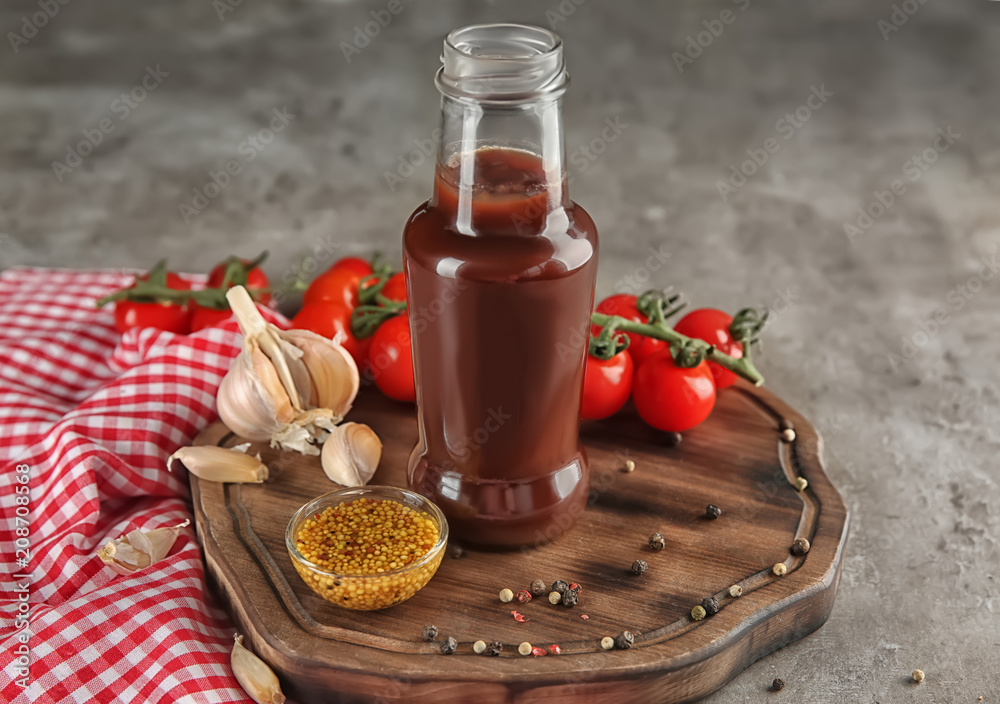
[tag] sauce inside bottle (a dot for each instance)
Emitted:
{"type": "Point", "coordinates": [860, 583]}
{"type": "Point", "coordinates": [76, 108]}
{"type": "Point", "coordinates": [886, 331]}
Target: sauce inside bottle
{"type": "Point", "coordinates": [501, 267]}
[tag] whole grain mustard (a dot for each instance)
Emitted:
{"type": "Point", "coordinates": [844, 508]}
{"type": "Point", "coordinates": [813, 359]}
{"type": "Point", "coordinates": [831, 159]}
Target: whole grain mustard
{"type": "Point", "coordinates": [367, 538]}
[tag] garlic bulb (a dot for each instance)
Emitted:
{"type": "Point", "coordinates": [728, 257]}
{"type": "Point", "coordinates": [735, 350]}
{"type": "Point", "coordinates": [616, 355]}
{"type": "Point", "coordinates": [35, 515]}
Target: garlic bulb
{"type": "Point", "coordinates": [351, 454]}
{"type": "Point", "coordinates": [139, 549]}
{"type": "Point", "coordinates": [253, 674]}
{"type": "Point", "coordinates": [288, 387]}
{"type": "Point", "coordinates": [221, 464]}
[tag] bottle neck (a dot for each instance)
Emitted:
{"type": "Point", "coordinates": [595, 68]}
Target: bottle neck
{"type": "Point", "coordinates": [501, 167]}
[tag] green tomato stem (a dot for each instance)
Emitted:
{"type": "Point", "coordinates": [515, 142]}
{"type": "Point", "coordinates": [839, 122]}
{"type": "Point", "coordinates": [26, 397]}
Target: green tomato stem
{"type": "Point", "coordinates": [743, 367]}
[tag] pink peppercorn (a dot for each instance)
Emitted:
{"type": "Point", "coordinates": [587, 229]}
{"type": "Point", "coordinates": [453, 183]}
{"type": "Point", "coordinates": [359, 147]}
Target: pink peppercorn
{"type": "Point", "coordinates": [538, 652]}
{"type": "Point", "coordinates": [554, 649]}
{"type": "Point", "coordinates": [524, 596]}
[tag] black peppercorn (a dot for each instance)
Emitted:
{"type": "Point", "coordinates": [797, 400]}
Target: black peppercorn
{"type": "Point", "coordinates": [710, 604]}
{"type": "Point", "coordinates": [456, 551]}
{"type": "Point", "coordinates": [494, 648]}
{"type": "Point", "coordinates": [800, 546]}
{"type": "Point", "coordinates": [624, 640]}
{"type": "Point", "coordinates": [656, 542]}
{"type": "Point", "coordinates": [570, 597]}
{"type": "Point", "coordinates": [778, 684]}
{"type": "Point", "coordinates": [712, 511]}
{"type": "Point", "coordinates": [448, 647]}
{"type": "Point", "coordinates": [639, 566]}
{"type": "Point", "coordinates": [538, 588]}
{"type": "Point", "coordinates": [673, 439]}
{"type": "Point", "coordinates": [429, 633]}
{"type": "Point", "coordinates": [560, 586]}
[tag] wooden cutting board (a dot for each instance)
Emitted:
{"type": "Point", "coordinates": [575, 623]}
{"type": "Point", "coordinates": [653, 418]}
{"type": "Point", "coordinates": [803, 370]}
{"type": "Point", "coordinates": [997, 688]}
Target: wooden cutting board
{"type": "Point", "coordinates": [736, 460]}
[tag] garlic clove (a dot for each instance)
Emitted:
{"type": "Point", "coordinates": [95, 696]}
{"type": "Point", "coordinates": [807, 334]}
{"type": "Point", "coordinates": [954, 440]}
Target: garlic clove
{"type": "Point", "coordinates": [254, 675]}
{"type": "Point", "coordinates": [140, 549]}
{"type": "Point", "coordinates": [351, 454]}
{"type": "Point", "coordinates": [333, 371]}
{"type": "Point", "coordinates": [258, 334]}
{"type": "Point", "coordinates": [220, 464]}
{"type": "Point", "coordinates": [251, 400]}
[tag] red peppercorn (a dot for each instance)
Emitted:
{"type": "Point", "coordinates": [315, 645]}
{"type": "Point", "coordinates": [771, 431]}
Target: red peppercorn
{"type": "Point", "coordinates": [538, 652]}
{"type": "Point", "coordinates": [575, 587]}
{"type": "Point", "coordinates": [554, 649]}
{"type": "Point", "coordinates": [524, 596]}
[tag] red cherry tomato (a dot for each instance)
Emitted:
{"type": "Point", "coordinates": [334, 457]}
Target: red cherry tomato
{"type": "Point", "coordinates": [391, 359]}
{"type": "Point", "coordinates": [355, 264]}
{"type": "Point", "coordinates": [339, 283]}
{"type": "Point", "coordinates": [162, 316]}
{"type": "Point", "coordinates": [255, 279]}
{"type": "Point", "coordinates": [673, 398]}
{"type": "Point", "coordinates": [640, 347]}
{"type": "Point", "coordinates": [327, 318]}
{"type": "Point", "coordinates": [607, 384]}
{"type": "Point", "coordinates": [395, 288]}
{"type": "Point", "coordinates": [712, 326]}
{"type": "Point", "coordinates": [203, 317]}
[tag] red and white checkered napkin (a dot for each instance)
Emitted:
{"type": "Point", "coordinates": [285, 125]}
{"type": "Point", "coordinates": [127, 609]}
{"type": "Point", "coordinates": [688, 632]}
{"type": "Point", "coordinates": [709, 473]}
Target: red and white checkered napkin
{"type": "Point", "coordinates": [94, 415]}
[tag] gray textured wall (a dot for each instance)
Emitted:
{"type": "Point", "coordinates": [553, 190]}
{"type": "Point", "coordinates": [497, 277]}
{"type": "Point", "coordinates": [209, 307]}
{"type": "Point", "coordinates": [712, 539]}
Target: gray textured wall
{"type": "Point", "coordinates": [913, 446]}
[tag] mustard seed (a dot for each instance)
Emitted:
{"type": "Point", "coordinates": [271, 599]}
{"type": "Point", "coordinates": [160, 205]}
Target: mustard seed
{"type": "Point", "coordinates": [779, 569]}
{"type": "Point", "coordinates": [429, 633]}
{"type": "Point", "coordinates": [698, 612]}
{"type": "Point", "coordinates": [639, 566]}
{"type": "Point", "coordinates": [778, 684]}
{"type": "Point", "coordinates": [712, 511]}
{"type": "Point", "coordinates": [735, 591]}
{"type": "Point", "coordinates": [788, 435]}
{"type": "Point", "coordinates": [524, 648]}
{"type": "Point", "coordinates": [918, 675]}
{"type": "Point", "coordinates": [479, 647]}
{"type": "Point", "coordinates": [555, 597]}
{"type": "Point", "coordinates": [372, 537]}
{"type": "Point", "coordinates": [494, 648]}
{"type": "Point", "coordinates": [656, 542]}
{"type": "Point", "coordinates": [538, 588]}
{"type": "Point", "coordinates": [607, 642]}
{"type": "Point", "coordinates": [624, 640]}
{"type": "Point", "coordinates": [801, 483]}
{"type": "Point", "coordinates": [449, 646]}
{"type": "Point", "coordinates": [506, 596]}
{"type": "Point", "coordinates": [800, 546]}
{"type": "Point", "coordinates": [366, 536]}
{"type": "Point", "coordinates": [630, 465]}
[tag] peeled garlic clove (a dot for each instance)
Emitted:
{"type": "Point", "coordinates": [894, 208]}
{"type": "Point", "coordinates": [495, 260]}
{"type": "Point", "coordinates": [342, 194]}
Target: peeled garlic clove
{"type": "Point", "coordinates": [254, 675]}
{"type": "Point", "coordinates": [351, 454]}
{"type": "Point", "coordinates": [220, 464]}
{"type": "Point", "coordinates": [140, 549]}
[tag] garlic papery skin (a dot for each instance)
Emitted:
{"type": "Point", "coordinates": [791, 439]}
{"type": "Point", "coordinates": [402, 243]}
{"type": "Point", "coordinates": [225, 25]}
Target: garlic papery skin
{"type": "Point", "coordinates": [288, 387]}
{"type": "Point", "coordinates": [220, 464]}
{"type": "Point", "coordinates": [351, 454]}
{"type": "Point", "coordinates": [254, 675]}
{"type": "Point", "coordinates": [138, 549]}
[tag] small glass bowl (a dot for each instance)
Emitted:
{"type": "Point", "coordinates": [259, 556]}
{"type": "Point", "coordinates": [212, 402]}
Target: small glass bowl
{"type": "Point", "coordinates": [368, 592]}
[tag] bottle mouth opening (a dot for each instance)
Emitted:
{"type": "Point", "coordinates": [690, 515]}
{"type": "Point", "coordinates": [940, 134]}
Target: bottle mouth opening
{"type": "Point", "coordinates": [502, 63]}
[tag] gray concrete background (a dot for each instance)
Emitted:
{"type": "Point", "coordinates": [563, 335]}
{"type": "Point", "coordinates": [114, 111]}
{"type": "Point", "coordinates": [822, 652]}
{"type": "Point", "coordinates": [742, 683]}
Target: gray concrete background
{"type": "Point", "coordinates": [913, 445]}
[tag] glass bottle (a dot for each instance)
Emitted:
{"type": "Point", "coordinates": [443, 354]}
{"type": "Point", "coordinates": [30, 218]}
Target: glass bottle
{"type": "Point", "coordinates": [501, 267]}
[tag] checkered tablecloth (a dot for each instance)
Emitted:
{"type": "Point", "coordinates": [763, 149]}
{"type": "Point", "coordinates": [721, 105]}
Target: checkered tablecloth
{"type": "Point", "coordinates": [91, 416]}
